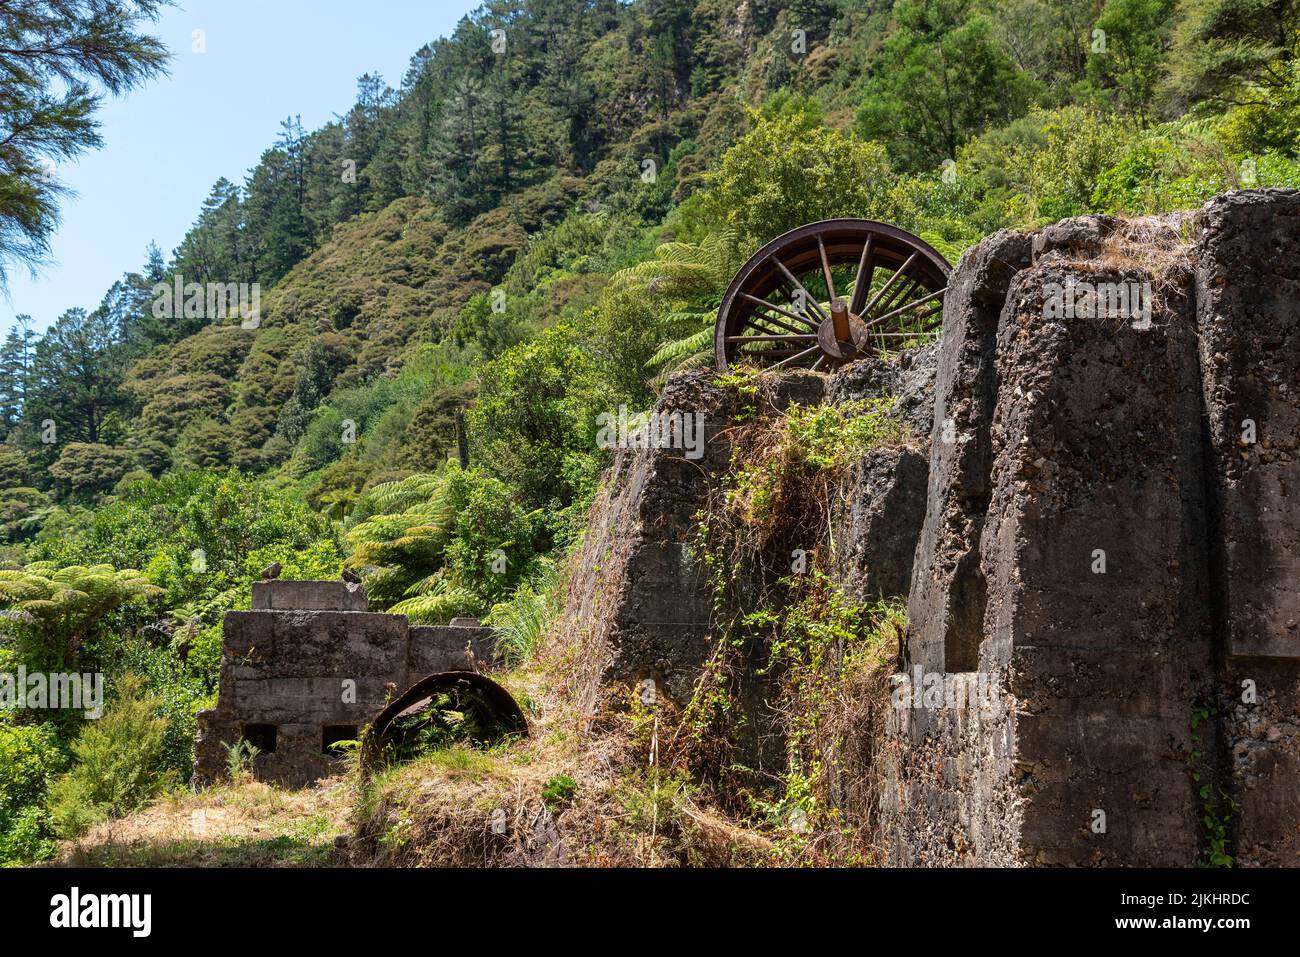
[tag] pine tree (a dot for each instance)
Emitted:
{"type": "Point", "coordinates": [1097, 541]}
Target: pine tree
{"type": "Point", "coordinates": [76, 379]}
{"type": "Point", "coordinates": [51, 52]}
{"type": "Point", "coordinates": [15, 371]}
{"type": "Point", "coordinates": [276, 203]}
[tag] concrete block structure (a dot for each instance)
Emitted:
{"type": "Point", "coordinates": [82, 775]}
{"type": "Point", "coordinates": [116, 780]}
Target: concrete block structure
{"type": "Point", "coordinates": [309, 665]}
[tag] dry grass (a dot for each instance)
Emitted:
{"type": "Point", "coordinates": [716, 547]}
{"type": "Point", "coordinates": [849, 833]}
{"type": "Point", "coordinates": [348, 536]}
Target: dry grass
{"type": "Point", "coordinates": [466, 808]}
{"type": "Point", "coordinates": [1155, 245]}
{"type": "Point", "coordinates": [249, 824]}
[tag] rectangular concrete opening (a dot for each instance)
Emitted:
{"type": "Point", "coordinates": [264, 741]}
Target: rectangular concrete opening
{"type": "Point", "coordinates": [332, 734]}
{"type": "Point", "coordinates": [261, 736]}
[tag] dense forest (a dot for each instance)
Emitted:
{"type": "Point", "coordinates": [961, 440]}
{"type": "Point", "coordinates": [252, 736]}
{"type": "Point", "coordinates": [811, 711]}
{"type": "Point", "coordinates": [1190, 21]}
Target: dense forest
{"type": "Point", "coordinates": [533, 227]}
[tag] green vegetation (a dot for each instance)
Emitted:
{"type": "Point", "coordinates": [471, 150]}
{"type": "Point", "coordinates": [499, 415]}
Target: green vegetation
{"type": "Point", "coordinates": [29, 758]}
{"type": "Point", "coordinates": [789, 636]}
{"type": "Point", "coordinates": [834, 657]}
{"type": "Point", "coordinates": [559, 791]}
{"type": "Point", "coordinates": [531, 238]}
{"type": "Point", "coordinates": [1217, 806]}
{"type": "Point", "coordinates": [115, 764]}
{"type": "Point", "coordinates": [806, 444]}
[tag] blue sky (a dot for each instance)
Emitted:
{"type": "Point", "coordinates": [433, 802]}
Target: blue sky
{"type": "Point", "coordinates": [166, 144]}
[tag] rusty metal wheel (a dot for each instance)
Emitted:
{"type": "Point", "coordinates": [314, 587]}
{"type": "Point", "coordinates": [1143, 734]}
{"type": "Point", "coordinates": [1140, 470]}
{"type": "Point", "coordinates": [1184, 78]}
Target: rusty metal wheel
{"type": "Point", "coordinates": [823, 294]}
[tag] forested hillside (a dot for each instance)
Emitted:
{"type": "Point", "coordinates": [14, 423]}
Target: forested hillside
{"type": "Point", "coordinates": [532, 228]}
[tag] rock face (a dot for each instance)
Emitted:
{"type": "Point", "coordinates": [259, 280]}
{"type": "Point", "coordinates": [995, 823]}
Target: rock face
{"type": "Point", "coordinates": [309, 666]}
{"type": "Point", "coordinates": [639, 597]}
{"type": "Point", "coordinates": [945, 607]}
{"type": "Point", "coordinates": [878, 513]}
{"type": "Point", "coordinates": [878, 519]}
{"type": "Point", "coordinates": [1248, 312]}
{"type": "Point", "coordinates": [1091, 509]}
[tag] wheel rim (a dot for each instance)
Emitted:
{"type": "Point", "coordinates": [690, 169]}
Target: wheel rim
{"type": "Point", "coordinates": [827, 293]}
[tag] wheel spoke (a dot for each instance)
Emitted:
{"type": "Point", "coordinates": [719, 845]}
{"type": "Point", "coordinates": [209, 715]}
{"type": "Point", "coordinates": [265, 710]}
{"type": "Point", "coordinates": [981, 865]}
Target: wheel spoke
{"type": "Point", "coordinates": [888, 285]}
{"type": "Point", "coordinates": [862, 284]}
{"type": "Point", "coordinates": [765, 354]}
{"type": "Point", "coordinates": [760, 325]}
{"type": "Point", "coordinates": [901, 294]}
{"type": "Point", "coordinates": [773, 338]}
{"type": "Point", "coordinates": [798, 285]}
{"type": "Point", "coordinates": [914, 304]}
{"type": "Point", "coordinates": [777, 309]}
{"type": "Point", "coordinates": [797, 355]}
{"type": "Point", "coordinates": [826, 270]}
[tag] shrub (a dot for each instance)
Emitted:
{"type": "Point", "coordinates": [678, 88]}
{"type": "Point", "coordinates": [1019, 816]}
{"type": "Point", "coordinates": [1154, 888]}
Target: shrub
{"type": "Point", "coordinates": [116, 764]}
{"type": "Point", "coordinates": [1167, 169]}
{"type": "Point", "coordinates": [789, 170]}
{"type": "Point", "coordinates": [29, 758]}
{"type": "Point", "coordinates": [90, 466]}
{"type": "Point", "coordinates": [192, 532]}
{"type": "Point", "coordinates": [559, 791]}
{"type": "Point", "coordinates": [807, 441]}
{"type": "Point", "coordinates": [534, 425]}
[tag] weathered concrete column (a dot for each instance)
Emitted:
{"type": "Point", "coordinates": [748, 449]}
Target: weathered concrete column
{"type": "Point", "coordinates": [1248, 311]}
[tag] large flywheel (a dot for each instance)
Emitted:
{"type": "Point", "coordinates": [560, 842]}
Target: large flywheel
{"type": "Point", "coordinates": [823, 294]}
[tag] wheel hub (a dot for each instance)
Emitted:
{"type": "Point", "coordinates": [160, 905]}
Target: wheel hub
{"type": "Point", "coordinates": [841, 335]}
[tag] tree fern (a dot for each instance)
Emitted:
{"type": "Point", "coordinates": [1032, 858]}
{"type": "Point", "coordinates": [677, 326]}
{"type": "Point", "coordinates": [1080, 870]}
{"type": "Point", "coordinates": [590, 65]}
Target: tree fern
{"type": "Point", "coordinates": [684, 282]}
{"type": "Point", "coordinates": [56, 608]}
{"type": "Point", "coordinates": [402, 544]}
{"type": "Point", "coordinates": [433, 601]}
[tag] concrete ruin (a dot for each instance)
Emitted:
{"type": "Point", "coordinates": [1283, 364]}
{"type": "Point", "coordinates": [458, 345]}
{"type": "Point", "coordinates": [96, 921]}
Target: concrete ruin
{"type": "Point", "coordinates": [310, 665]}
{"type": "Point", "coordinates": [1097, 518]}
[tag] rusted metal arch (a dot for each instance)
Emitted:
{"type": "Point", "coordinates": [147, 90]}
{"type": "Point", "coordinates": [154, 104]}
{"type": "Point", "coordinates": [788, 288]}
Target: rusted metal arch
{"type": "Point", "coordinates": [757, 322]}
{"type": "Point", "coordinates": [470, 691]}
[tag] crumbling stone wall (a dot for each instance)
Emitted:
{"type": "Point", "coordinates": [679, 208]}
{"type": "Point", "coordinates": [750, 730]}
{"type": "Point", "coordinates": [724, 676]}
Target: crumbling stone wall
{"type": "Point", "coordinates": [639, 594]}
{"type": "Point", "coordinates": [1089, 507]}
{"type": "Point", "coordinates": [310, 665]}
{"type": "Point", "coordinates": [640, 597]}
{"type": "Point", "coordinates": [1248, 315]}
{"type": "Point", "coordinates": [880, 508]}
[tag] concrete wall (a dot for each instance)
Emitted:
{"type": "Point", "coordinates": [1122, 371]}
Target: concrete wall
{"type": "Point", "coordinates": [310, 657]}
{"type": "Point", "coordinates": [1248, 315]}
{"type": "Point", "coordinates": [1119, 691]}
